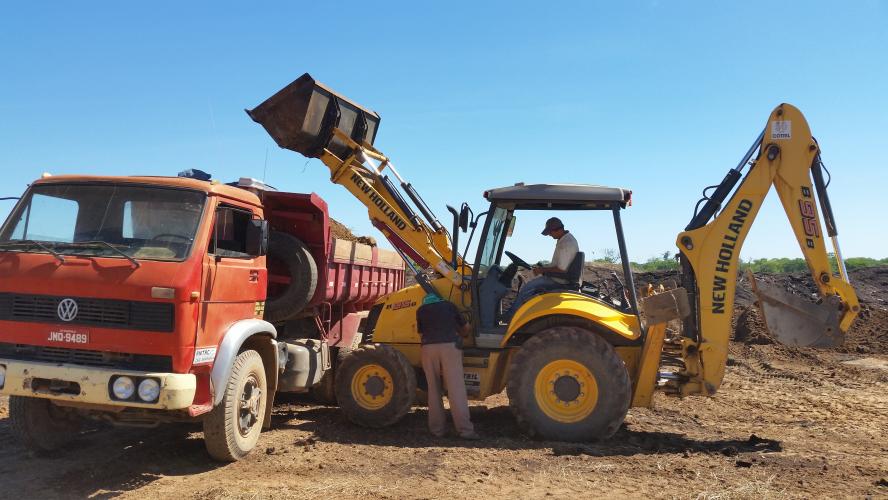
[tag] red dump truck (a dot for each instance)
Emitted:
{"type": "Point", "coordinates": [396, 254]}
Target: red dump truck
{"type": "Point", "coordinates": [143, 300]}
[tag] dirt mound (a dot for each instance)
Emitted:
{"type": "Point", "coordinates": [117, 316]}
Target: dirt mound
{"type": "Point", "coordinates": [340, 231]}
{"type": "Point", "coordinates": [868, 334]}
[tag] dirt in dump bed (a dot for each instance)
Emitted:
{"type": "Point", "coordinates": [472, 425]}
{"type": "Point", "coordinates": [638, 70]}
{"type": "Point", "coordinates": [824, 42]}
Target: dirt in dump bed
{"type": "Point", "coordinates": [342, 232]}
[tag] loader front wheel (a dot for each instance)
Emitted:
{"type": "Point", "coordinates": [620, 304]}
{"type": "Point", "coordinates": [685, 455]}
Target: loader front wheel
{"type": "Point", "coordinates": [375, 385]}
{"type": "Point", "coordinates": [568, 384]}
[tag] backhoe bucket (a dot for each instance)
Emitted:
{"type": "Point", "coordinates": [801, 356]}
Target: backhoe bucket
{"type": "Point", "coordinates": [301, 117]}
{"type": "Point", "coordinates": [792, 320]}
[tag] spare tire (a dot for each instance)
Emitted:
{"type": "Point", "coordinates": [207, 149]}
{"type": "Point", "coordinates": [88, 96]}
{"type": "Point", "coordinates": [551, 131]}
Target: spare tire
{"type": "Point", "coordinates": [292, 277]}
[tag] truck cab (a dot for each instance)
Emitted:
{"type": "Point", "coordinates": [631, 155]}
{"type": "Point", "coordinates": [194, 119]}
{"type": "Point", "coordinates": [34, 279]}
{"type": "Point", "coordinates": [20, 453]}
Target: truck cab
{"type": "Point", "coordinates": [142, 300]}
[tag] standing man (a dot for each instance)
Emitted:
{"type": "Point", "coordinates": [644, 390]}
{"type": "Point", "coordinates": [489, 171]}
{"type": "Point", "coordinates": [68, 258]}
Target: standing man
{"type": "Point", "coordinates": [550, 276]}
{"type": "Point", "coordinates": [441, 327]}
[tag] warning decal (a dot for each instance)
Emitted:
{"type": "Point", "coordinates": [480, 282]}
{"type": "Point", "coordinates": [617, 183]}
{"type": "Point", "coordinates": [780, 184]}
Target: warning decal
{"type": "Point", "coordinates": [781, 130]}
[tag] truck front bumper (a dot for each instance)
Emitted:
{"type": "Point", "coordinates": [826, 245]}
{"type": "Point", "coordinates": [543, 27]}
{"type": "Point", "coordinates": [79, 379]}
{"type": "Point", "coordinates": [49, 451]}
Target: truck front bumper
{"type": "Point", "coordinates": [80, 384]}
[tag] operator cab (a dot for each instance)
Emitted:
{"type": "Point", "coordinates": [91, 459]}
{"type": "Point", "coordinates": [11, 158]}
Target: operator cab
{"type": "Point", "coordinates": [491, 282]}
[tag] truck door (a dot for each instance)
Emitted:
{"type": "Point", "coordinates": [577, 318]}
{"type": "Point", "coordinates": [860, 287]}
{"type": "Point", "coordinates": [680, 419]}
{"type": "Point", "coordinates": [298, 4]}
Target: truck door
{"type": "Point", "coordinates": [234, 281]}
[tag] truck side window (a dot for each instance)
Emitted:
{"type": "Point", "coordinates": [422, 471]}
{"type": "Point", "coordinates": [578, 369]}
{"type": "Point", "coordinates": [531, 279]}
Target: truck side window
{"type": "Point", "coordinates": [230, 233]}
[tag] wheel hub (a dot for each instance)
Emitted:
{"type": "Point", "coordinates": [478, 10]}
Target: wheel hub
{"type": "Point", "coordinates": [567, 388]}
{"type": "Point", "coordinates": [250, 402]}
{"type": "Point", "coordinates": [372, 387]}
{"type": "Point", "coordinates": [566, 391]}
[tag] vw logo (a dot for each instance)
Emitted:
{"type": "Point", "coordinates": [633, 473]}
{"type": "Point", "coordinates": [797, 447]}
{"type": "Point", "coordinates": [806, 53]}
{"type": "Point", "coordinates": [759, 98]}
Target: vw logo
{"type": "Point", "coordinates": [67, 310]}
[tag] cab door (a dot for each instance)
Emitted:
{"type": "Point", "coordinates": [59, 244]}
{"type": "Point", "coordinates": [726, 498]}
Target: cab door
{"type": "Point", "coordinates": [234, 284]}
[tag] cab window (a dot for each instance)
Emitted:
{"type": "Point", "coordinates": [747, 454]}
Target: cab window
{"type": "Point", "coordinates": [229, 237]}
{"type": "Point", "coordinates": [490, 252]}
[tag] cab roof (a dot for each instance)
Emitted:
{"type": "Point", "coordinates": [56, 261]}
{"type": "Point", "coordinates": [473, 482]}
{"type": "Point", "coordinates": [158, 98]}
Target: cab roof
{"type": "Point", "coordinates": [209, 187]}
{"type": "Point", "coordinates": [560, 196]}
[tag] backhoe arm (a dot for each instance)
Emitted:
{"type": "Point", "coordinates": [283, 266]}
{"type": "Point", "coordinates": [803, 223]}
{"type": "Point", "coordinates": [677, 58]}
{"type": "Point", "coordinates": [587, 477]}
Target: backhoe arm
{"type": "Point", "coordinates": [789, 159]}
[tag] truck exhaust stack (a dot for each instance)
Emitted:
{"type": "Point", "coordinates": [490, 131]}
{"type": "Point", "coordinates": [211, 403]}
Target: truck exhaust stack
{"type": "Point", "coordinates": [301, 117]}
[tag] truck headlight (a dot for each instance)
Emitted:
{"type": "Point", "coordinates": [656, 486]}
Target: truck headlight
{"type": "Point", "coordinates": [2, 376]}
{"type": "Point", "coordinates": [149, 390]}
{"type": "Point", "coordinates": [123, 388]}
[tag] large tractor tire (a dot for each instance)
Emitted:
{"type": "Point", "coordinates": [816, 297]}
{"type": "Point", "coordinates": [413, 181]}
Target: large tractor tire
{"type": "Point", "coordinates": [292, 277]}
{"type": "Point", "coordinates": [40, 426]}
{"type": "Point", "coordinates": [375, 385]}
{"type": "Point", "coordinates": [232, 428]}
{"type": "Point", "coordinates": [568, 384]}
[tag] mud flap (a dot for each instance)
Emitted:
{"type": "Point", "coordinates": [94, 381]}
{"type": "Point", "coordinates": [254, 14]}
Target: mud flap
{"type": "Point", "coordinates": [794, 321]}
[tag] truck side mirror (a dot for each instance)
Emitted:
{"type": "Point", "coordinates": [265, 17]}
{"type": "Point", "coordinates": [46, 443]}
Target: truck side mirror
{"type": "Point", "coordinates": [464, 218]}
{"type": "Point", "coordinates": [257, 237]}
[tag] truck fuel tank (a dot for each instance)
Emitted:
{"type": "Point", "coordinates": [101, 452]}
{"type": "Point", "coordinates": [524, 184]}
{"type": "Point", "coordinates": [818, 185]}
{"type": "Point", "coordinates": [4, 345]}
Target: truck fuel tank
{"type": "Point", "coordinates": [301, 117]}
{"type": "Point", "coordinates": [307, 360]}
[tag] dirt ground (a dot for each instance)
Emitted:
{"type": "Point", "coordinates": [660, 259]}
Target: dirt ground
{"type": "Point", "coordinates": [788, 422]}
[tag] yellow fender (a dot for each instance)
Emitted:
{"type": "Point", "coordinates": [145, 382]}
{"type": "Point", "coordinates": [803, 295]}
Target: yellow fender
{"type": "Point", "coordinates": [573, 304]}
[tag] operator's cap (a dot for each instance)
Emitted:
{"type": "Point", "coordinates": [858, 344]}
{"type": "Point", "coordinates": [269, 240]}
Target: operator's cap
{"type": "Point", "coordinates": [552, 224]}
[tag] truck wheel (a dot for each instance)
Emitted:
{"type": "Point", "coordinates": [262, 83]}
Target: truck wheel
{"type": "Point", "coordinates": [568, 384]}
{"type": "Point", "coordinates": [38, 425]}
{"type": "Point", "coordinates": [375, 385]}
{"type": "Point", "coordinates": [232, 428]}
{"type": "Point", "coordinates": [292, 277]}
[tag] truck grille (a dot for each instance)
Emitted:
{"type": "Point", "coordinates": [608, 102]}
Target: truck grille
{"type": "Point", "coordinates": [152, 316]}
{"type": "Point", "coordinates": [122, 361]}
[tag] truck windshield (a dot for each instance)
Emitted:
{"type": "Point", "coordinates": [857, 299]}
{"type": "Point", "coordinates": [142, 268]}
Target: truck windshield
{"type": "Point", "coordinates": [107, 220]}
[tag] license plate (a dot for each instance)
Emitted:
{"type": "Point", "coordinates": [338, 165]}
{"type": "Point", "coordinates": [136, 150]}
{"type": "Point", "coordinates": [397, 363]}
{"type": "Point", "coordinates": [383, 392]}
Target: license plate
{"type": "Point", "coordinates": [68, 337]}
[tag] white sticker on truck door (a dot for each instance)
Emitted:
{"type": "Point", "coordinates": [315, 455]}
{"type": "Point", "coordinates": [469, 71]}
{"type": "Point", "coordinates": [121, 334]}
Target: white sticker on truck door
{"type": "Point", "coordinates": [781, 130]}
{"type": "Point", "coordinates": [204, 355]}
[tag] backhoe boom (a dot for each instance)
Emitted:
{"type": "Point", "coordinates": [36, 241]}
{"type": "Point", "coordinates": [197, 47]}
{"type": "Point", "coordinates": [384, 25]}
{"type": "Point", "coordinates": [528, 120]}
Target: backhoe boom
{"type": "Point", "coordinates": [788, 158]}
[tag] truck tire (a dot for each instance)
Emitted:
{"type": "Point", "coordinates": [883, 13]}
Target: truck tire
{"type": "Point", "coordinates": [232, 428]}
{"type": "Point", "coordinates": [568, 384]}
{"type": "Point", "coordinates": [37, 424]}
{"type": "Point", "coordinates": [375, 385]}
{"type": "Point", "coordinates": [293, 277]}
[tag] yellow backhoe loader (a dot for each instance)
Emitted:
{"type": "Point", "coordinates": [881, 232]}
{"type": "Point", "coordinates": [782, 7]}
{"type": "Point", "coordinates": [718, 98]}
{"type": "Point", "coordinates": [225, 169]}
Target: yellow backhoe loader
{"type": "Point", "coordinates": [574, 359]}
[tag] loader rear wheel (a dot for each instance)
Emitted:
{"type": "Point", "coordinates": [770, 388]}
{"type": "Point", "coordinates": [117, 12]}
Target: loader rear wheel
{"type": "Point", "coordinates": [292, 277]}
{"type": "Point", "coordinates": [232, 428]}
{"type": "Point", "coordinates": [38, 425]}
{"type": "Point", "coordinates": [568, 384]}
{"type": "Point", "coordinates": [375, 385]}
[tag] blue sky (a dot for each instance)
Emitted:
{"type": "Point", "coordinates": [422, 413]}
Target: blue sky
{"type": "Point", "coordinates": [659, 97]}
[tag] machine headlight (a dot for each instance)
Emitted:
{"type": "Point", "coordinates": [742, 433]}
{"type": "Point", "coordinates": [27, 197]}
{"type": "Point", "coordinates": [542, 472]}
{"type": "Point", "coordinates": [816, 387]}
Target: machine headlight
{"type": "Point", "coordinates": [149, 390]}
{"type": "Point", "coordinates": [123, 388]}
{"type": "Point", "coordinates": [2, 376]}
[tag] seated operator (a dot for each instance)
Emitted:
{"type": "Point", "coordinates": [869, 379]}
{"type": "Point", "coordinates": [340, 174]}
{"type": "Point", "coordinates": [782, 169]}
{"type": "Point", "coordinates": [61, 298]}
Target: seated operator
{"type": "Point", "coordinates": [547, 277]}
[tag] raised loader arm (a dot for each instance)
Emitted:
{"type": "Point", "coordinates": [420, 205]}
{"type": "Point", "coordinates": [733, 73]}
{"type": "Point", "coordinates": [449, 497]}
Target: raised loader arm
{"type": "Point", "coordinates": [311, 119]}
{"type": "Point", "coordinates": [789, 159]}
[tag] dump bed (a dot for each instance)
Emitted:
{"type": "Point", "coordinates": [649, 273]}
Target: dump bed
{"type": "Point", "coordinates": [351, 275]}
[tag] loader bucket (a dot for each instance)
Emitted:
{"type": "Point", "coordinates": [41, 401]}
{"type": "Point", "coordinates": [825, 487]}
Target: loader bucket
{"type": "Point", "coordinates": [792, 320]}
{"type": "Point", "coordinates": [301, 117]}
